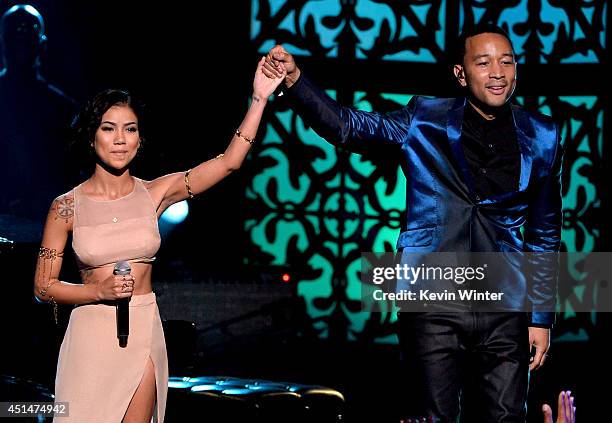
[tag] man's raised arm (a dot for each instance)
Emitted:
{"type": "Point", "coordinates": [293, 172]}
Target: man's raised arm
{"type": "Point", "coordinates": [339, 125]}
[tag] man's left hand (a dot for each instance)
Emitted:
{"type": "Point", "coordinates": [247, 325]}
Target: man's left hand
{"type": "Point", "coordinates": [539, 338]}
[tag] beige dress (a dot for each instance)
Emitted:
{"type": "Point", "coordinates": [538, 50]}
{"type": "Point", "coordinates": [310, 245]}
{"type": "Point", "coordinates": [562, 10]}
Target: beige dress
{"type": "Point", "coordinates": [95, 376]}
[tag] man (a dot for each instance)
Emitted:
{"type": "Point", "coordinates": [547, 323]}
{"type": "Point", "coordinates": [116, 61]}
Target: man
{"type": "Point", "coordinates": [34, 118]}
{"type": "Point", "coordinates": [478, 170]}
{"type": "Point", "coordinates": [34, 121]}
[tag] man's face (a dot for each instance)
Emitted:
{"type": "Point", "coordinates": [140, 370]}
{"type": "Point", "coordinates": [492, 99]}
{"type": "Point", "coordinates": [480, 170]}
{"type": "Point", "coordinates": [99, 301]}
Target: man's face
{"type": "Point", "coordinates": [489, 69]}
{"type": "Point", "coordinates": [21, 38]}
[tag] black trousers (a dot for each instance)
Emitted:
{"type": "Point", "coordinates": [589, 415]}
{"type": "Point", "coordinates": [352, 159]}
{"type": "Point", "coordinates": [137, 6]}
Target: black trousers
{"type": "Point", "coordinates": [468, 363]}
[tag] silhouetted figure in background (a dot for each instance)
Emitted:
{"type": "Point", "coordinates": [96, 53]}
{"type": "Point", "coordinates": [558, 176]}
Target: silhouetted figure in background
{"type": "Point", "coordinates": [34, 118]}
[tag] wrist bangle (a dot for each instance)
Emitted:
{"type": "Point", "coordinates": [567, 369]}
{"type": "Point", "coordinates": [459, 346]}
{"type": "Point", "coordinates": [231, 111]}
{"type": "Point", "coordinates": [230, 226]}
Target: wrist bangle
{"type": "Point", "coordinates": [187, 184]}
{"type": "Point", "coordinates": [43, 292]}
{"type": "Point", "coordinates": [247, 139]}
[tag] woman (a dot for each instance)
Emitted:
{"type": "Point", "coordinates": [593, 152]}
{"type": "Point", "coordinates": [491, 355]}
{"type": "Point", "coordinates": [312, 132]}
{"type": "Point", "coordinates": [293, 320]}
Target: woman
{"type": "Point", "coordinates": [113, 217]}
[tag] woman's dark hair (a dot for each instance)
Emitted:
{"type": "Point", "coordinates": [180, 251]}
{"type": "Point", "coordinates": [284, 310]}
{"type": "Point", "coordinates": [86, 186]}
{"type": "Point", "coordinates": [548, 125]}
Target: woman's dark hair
{"type": "Point", "coordinates": [87, 121]}
{"type": "Point", "coordinates": [472, 31]}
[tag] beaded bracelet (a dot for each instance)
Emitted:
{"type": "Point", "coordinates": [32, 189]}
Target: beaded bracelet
{"type": "Point", "coordinates": [187, 184]}
{"type": "Point", "coordinates": [247, 139]}
{"type": "Point", "coordinates": [43, 292]}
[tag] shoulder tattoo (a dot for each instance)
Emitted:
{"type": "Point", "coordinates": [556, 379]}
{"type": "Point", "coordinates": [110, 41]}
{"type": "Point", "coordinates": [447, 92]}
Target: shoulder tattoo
{"type": "Point", "coordinates": [63, 208]}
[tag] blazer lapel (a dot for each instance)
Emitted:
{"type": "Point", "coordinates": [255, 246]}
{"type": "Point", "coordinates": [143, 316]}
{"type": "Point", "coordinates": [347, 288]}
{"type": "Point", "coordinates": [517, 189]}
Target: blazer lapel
{"type": "Point", "coordinates": [525, 135]}
{"type": "Point", "coordinates": [453, 130]}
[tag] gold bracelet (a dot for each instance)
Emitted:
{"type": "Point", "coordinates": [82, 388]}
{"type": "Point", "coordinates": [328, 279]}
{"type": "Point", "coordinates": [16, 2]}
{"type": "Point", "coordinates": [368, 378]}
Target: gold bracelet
{"type": "Point", "coordinates": [247, 139]}
{"type": "Point", "coordinates": [187, 184]}
{"type": "Point", "coordinates": [49, 253]}
{"type": "Point", "coordinates": [43, 292]}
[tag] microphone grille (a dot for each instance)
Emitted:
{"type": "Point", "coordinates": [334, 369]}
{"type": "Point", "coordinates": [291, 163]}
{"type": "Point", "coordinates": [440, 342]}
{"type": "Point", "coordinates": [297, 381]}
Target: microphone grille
{"type": "Point", "coordinates": [122, 268]}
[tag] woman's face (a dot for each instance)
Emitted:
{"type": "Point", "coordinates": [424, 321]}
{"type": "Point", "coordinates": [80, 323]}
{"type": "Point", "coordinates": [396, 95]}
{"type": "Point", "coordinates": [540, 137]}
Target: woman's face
{"type": "Point", "coordinates": [117, 138]}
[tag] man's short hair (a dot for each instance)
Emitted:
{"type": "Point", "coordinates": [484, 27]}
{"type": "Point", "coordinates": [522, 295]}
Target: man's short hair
{"type": "Point", "coordinates": [471, 31]}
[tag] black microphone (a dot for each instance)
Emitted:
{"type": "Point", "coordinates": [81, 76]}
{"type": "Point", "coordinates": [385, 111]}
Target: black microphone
{"type": "Point", "coordinates": [122, 306]}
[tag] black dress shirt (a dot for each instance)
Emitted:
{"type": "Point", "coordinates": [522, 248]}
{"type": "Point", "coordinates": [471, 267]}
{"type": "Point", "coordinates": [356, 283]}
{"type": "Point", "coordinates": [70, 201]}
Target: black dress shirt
{"type": "Point", "coordinates": [491, 152]}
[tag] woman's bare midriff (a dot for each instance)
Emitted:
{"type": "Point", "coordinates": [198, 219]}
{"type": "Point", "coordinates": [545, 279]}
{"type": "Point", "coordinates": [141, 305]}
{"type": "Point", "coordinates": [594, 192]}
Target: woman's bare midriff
{"type": "Point", "coordinates": [140, 271]}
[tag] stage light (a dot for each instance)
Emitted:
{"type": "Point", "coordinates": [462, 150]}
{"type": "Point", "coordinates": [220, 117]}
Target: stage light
{"type": "Point", "coordinates": [176, 213]}
{"type": "Point", "coordinates": [286, 277]}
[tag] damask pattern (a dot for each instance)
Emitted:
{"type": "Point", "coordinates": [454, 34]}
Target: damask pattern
{"type": "Point", "coordinates": [315, 207]}
{"type": "Point", "coordinates": [551, 31]}
{"type": "Point", "coordinates": [581, 121]}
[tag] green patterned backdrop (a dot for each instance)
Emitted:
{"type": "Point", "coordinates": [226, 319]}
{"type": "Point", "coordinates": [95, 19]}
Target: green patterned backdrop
{"type": "Point", "coordinates": [315, 208]}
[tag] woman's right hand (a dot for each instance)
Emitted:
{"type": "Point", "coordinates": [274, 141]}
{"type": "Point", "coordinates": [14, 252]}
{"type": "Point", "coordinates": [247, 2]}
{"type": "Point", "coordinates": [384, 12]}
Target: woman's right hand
{"type": "Point", "coordinates": [263, 86]}
{"type": "Point", "coordinates": [116, 287]}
